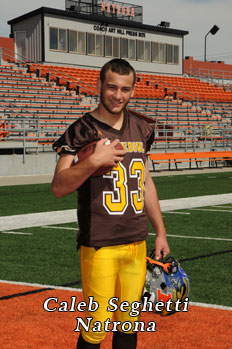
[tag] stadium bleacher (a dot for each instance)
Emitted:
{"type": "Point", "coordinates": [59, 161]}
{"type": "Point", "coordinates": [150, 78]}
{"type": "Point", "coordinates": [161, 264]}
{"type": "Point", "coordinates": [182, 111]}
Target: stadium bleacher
{"type": "Point", "coordinates": [186, 112]}
{"type": "Point", "coordinates": [25, 96]}
{"type": "Point", "coordinates": [147, 85]}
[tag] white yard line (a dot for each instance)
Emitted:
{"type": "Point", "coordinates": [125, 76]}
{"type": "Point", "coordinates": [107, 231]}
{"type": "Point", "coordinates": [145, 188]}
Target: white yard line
{"type": "Point", "coordinates": [14, 233]}
{"type": "Point", "coordinates": [209, 210]}
{"type": "Point", "coordinates": [54, 227]}
{"type": "Point", "coordinates": [197, 201]}
{"type": "Point", "coordinates": [75, 229]}
{"type": "Point", "coordinates": [37, 219]}
{"type": "Point", "coordinates": [212, 306]}
{"type": "Point", "coordinates": [222, 206]}
{"type": "Point", "coordinates": [39, 285]}
{"type": "Point", "coordinates": [204, 305]}
{"type": "Point", "coordinates": [194, 237]}
{"type": "Point", "coordinates": [70, 216]}
{"type": "Point", "coordinates": [174, 212]}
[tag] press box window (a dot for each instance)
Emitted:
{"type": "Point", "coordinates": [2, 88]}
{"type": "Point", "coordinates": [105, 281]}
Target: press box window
{"type": "Point", "coordinates": [53, 39]}
{"type": "Point", "coordinates": [95, 44]}
{"type": "Point", "coordinates": [176, 54]}
{"type": "Point", "coordinates": [116, 48]}
{"type": "Point", "coordinates": [58, 39]}
{"type": "Point", "coordinates": [132, 49]}
{"type": "Point", "coordinates": [124, 48]}
{"type": "Point", "coordinates": [112, 47]}
{"type": "Point", "coordinates": [158, 52]}
{"type": "Point", "coordinates": [62, 40]}
{"type": "Point", "coordinates": [99, 45]}
{"type": "Point", "coordinates": [72, 41]}
{"type": "Point", "coordinates": [77, 42]}
{"type": "Point", "coordinates": [155, 52]}
{"type": "Point", "coordinates": [162, 53]}
{"type": "Point", "coordinates": [147, 49]}
{"type": "Point", "coordinates": [81, 42]}
{"type": "Point", "coordinates": [108, 46]}
{"type": "Point", "coordinates": [172, 54]}
{"type": "Point", "coordinates": [143, 51]}
{"type": "Point", "coordinates": [128, 48]}
{"type": "Point", "coordinates": [140, 50]}
{"type": "Point", "coordinates": [91, 44]}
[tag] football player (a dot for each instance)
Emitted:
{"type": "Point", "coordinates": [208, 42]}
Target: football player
{"type": "Point", "coordinates": [112, 208]}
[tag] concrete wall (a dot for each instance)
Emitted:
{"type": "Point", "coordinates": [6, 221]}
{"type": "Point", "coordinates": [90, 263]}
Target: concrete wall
{"type": "Point", "coordinates": [42, 163]}
{"type": "Point", "coordinates": [213, 69]}
{"type": "Point", "coordinates": [8, 44]}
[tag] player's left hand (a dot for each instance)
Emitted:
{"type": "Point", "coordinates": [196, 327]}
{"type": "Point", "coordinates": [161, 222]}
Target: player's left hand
{"type": "Point", "coordinates": [161, 247]}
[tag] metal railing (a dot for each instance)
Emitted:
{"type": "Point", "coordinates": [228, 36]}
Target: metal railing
{"type": "Point", "coordinates": [27, 134]}
{"type": "Point", "coordinates": [31, 133]}
{"type": "Point", "coordinates": [210, 75]}
{"type": "Point", "coordinates": [193, 138]}
{"type": "Point", "coordinates": [115, 9]}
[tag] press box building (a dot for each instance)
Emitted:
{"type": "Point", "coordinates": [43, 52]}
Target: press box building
{"type": "Point", "coordinates": [90, 32]}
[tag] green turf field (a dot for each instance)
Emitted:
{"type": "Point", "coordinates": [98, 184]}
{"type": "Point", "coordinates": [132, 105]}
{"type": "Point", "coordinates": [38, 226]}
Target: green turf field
{"type": "Point", "coordinates": [31, 198]}
{"type": "Point", "coordinates": [47, 255]}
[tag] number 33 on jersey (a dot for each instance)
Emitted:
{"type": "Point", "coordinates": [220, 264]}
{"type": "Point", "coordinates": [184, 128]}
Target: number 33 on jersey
{"type": "Point", "coordinates": [117, 200]}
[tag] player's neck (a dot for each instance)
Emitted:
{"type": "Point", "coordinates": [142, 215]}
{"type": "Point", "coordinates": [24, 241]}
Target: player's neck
{"type": "Point", "coordinates": [103, 115]}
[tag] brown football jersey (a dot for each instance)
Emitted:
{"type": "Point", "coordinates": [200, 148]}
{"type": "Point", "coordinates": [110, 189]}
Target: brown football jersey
{"type": "Point", "coordinates": [111, 207]}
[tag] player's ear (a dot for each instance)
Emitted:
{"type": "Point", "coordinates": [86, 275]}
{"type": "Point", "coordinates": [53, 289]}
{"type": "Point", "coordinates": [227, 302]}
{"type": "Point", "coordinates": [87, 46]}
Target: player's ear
{"type": "Point", "coordinates": [99, 85]}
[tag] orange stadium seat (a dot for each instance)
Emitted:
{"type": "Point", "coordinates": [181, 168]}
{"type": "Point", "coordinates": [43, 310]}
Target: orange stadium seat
{"type": "Point", "coordinates": [167, 99]}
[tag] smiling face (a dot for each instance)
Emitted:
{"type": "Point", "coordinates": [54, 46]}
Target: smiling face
{"type": "Point", "coordinates": [116, 91]}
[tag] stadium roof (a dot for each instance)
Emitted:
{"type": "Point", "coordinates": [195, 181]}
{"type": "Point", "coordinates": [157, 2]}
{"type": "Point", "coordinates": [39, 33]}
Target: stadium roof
{"type": "Point", "coordinates": [98, 18]}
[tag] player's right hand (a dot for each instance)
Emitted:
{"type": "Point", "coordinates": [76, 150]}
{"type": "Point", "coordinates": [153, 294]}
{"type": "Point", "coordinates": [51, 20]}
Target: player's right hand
{"type": "Point", "coordinates": [108, 153]}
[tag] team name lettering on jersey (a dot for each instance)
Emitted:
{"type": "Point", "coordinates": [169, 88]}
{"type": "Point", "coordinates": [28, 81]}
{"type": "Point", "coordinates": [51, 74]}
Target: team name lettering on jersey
{"type": "Point", "coordinates": [133, 147]}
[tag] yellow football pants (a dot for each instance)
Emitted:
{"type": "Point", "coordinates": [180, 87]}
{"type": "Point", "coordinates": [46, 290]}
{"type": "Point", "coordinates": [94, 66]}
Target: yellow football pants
{"type": "Point", "coordinates": [114, 271]}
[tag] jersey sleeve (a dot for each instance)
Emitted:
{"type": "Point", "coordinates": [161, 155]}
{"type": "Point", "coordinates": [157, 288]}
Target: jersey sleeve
{"type": "Point", "coordinates": [149, 138]}
{"type": "Point", "coordinates": [76, 136]}
{"type": "Point", "coordinates": [145, 129]}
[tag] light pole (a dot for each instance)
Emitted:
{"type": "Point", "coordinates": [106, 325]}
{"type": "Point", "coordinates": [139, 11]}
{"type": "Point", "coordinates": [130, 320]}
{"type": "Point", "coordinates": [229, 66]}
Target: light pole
{"type": "Point", "coordinates": [213, 31]}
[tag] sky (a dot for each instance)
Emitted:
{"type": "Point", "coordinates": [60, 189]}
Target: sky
{"type": "Point", "coordinates": [195, 16]}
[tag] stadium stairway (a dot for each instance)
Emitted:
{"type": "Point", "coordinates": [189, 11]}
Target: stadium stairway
{"type": "Point", "coordinates": [45, 108]}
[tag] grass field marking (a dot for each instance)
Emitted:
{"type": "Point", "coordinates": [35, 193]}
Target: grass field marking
{"type": "Point", "coordinates": [217, 206]}
{"type": "Point", "coordinates": [34, 219]}
{"type": "Point", "coordinates": [195, 202]}
{"type": "Point", "coordinates": [214, 306]}
{"type": "Point", "coordinates": [40, 285]}
{"type": "Point", "coordinates": [204, 305]}
{"type": "Point", "coordinates": [175, 212]}
{"type": "Point", "coordinates": [13, 222]}
{"type": "Point", "coordinates": [15, 233]}
{"type": "Point", "coordinates": [54, 227]}
{"type": "Point", "coordinates": [194, 237]}
{"type": "Point", "coordinates": [209, 210]}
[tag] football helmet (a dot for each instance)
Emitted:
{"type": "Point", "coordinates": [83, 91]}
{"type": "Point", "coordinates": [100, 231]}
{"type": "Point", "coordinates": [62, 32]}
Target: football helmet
{"type": "Point", "coordinates": [165, 279]}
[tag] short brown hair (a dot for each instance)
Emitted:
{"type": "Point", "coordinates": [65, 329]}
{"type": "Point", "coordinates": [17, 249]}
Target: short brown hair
{"type": "Point", "coordinates": [119, 66]}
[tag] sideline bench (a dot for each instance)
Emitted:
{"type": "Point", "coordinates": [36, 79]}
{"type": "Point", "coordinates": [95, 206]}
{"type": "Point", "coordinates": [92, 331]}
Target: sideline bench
{"type": "Point", "coordinates": [189, 157]}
